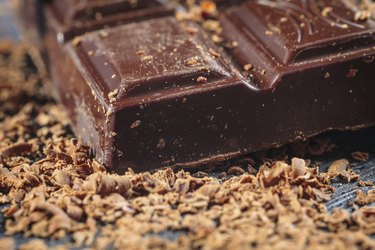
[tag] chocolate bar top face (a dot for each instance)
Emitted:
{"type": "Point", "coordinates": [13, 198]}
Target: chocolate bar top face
{"type": "Point", "coordinates": [149, 58]}
{"type": "Point", "coordinates": [280, 37]}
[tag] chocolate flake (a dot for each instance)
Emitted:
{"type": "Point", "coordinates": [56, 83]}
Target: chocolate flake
{"type": "Point", "coordinates": [365, 198]}
{"type": "Point", "coordinates": [360, 156]}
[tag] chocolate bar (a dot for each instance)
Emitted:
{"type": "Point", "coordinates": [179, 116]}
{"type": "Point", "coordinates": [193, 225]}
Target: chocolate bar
{"type": "Point", "coordinates": [145, 90]}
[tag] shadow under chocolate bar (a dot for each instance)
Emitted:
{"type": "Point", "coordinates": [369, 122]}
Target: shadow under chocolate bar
{"type": "Point", "coordinates": [154, 92]}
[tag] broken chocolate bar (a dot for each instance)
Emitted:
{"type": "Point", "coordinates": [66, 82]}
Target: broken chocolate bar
{"type": "Point", "coordinates": [158, 92]}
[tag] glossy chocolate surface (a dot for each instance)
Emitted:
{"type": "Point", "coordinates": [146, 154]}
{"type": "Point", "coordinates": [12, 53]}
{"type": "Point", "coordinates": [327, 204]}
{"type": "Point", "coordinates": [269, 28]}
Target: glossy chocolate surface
{"type": "Point", "coordinates": [159, 92]}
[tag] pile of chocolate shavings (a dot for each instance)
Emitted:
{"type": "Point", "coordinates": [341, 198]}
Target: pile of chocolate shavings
{"type": "Point", "coordinates": [52, 189]}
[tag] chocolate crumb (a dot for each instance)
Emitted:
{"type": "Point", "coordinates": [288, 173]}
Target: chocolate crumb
{"type": "Point", "coordinates": [161, 143]}
{"type": "Point", "coordinates": [247, 67]}
{"type": "Point", "coordinates": [192, 61]}
{"type": "Point", "coordinates": [341, 168]}
{"type": "Point", "coordinates": [213, 53]}
{"type": "Point", "coordinates": [147, 58]}
{"type": "Point", "coordinates": [76, 41]}
{"type": "Point", "coordinates": [113, 94]}
{"type": "Point", "coordinates": [135, 124]}
{"type": "Point", "coordinates": [269, 32]}
{"type": "Point", "coordinates": [201, 79]}
{"type": "Point", "coordinates": [362, 15]}
{"type": "Point", "coordinates": [366, 183]}
{"type": "Point", "coordinates": [360, 156]}
{"type": "Point", "coordinates": [326, 11]}
{"type": "Point", "coordinates": [365, 198]}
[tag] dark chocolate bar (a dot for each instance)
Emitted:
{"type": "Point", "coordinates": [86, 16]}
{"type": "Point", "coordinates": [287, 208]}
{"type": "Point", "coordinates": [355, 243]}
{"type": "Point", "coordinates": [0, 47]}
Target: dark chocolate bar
{"type": "Point", "coordinates": [159, 92]}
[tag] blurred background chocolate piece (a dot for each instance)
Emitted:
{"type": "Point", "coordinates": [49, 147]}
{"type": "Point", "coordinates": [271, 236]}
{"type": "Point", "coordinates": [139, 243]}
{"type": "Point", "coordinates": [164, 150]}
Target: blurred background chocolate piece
{"type": "Point", "coordinates": [8, 27]}
{"type": "Point", "coordinates": [30, 17]}
{"type": "Point", "coordinates": [70, 18]}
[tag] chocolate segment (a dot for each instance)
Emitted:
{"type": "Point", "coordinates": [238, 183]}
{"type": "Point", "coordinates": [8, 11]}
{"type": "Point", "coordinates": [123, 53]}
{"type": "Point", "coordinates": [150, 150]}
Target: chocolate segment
{"type": "Point", "coordinates": [159, 93]}
{"type": "Point", "coordinates": [116, 90]}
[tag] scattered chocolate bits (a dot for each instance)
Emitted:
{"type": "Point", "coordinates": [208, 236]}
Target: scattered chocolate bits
{"type": "Point", "coordinates": [113, 95]}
